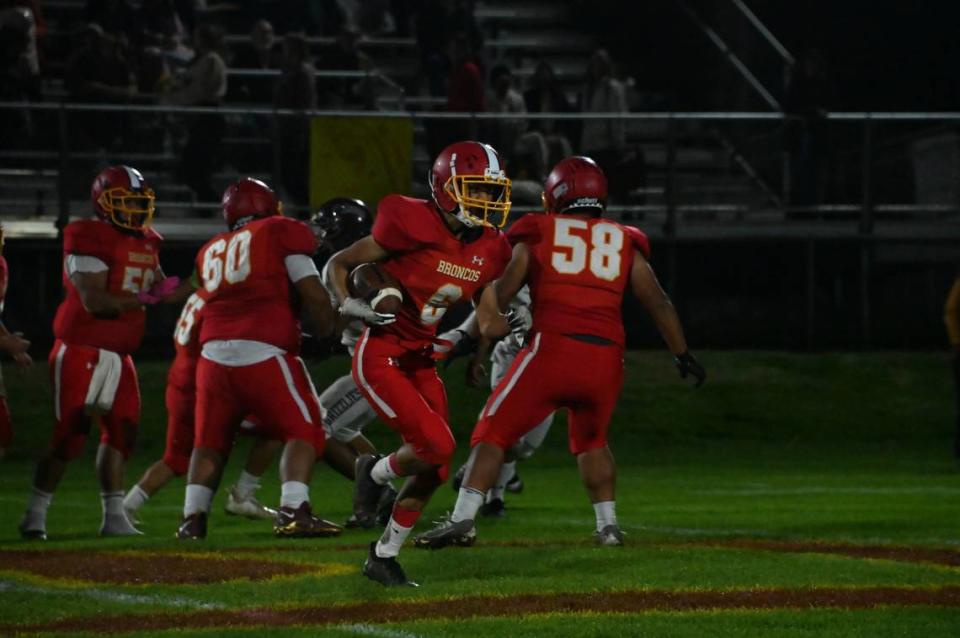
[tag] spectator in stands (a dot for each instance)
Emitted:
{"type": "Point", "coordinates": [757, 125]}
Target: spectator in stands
{"type": "Point", "coordinates": [806, 135]}
{"type": "Point", "coordinates": [503, 97]}
{"type": "Point", "coordinates": [465, 93]}
{"type": "Point", "coordinates": [510, 135]}
{"type": "Point", "coordinates": [605, 140]}
{"type": "Point", "coordinates": [19, 74]}
{"type": "Point", "coordinates": [23, 16]}
{"type": "Point", "coordinates": [347, 56]}
{"type": "Point", "coordinates": [951, 318]}
{"type": "Point", "coordinates": [262, 52]}
{"type": "Point", "coordinates": [204, 83]}
{"type": "Point", "coordinates": [296, 89]}
{"type": "Point", "coordinates": [98, 72]}
{"type": "Point", "coordinates": [545, 95]}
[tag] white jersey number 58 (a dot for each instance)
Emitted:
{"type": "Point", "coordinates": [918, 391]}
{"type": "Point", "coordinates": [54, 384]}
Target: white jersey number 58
{"type": "Point", "coordinates": [602, 254]}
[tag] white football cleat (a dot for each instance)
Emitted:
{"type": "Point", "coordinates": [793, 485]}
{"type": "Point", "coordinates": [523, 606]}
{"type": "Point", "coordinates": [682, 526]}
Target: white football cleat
{"type": "Point", "coordinates": [248, 507]}
{"type": "Point", "coordinates": [132, 516]}
{"type": "Point", "coordinates": [118, 525]}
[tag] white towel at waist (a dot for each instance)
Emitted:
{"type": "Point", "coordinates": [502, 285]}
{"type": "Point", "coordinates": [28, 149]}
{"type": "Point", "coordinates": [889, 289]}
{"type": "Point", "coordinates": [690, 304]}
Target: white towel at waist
{"type": "Point", "coordinates": [103, 383]}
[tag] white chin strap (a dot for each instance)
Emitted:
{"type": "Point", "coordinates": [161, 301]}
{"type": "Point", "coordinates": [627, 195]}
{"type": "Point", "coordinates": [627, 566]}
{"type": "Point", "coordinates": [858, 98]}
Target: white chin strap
{"type": "Point", "coordinates": [465, 218]}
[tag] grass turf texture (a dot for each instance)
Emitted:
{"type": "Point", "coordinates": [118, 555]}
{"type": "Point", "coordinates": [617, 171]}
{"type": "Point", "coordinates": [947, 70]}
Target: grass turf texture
{"type": "Point", "coordinates": [836, 448]}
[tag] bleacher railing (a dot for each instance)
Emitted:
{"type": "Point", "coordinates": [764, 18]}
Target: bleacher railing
{"type": "Point", "coordinates": [898, 173]}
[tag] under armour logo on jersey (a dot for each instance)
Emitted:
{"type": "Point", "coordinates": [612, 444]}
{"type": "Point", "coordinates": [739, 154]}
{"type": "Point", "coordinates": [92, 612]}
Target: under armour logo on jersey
{"type": "Point", "coordinates": [478, 261]}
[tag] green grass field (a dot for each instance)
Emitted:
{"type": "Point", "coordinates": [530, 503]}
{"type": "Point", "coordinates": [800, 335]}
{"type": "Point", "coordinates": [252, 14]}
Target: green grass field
{"type": "Point", "coordinates": [792, 495]}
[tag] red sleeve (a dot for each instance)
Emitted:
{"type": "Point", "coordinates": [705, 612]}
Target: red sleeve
{"type": "Point", "coordinates": [399, 227]}
{"type": "Point", "coordinates": [88, 238]}
{"type": "Point", "coordinates": [639, 239]}
{"type": "Point", "coordinates": [526, 230]}
{"type": "Point", "coordinates": [294, 237]}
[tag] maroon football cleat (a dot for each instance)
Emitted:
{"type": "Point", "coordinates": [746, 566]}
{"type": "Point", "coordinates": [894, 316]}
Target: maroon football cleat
{"type": "Point", "coordinates": [193, 527]}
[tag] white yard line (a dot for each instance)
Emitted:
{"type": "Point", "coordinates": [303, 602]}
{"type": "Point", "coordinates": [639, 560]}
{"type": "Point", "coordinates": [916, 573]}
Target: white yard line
{"type": "Point", "coordinates": [111, 596]}
{"type": "Point", "coordinates": [374, 630]}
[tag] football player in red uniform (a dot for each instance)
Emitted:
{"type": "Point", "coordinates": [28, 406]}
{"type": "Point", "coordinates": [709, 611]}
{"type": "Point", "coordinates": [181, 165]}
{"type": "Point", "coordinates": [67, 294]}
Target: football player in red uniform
{"type": "Point", "coordinates": [14, 345]}
{"type": "Point", "coordinates": [111, 269]}
{"type": "Point", "coordinates": [441, 251]}
{"type": "Point", "coordinates": [578, 266]}
{"type": "Point", "coordinates": [181, 396]}
{"type": "Point", "coordinates": [248, 365]}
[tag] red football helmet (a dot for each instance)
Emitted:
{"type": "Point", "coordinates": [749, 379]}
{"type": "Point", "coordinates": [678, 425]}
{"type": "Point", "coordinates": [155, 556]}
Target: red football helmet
{"type": "Point", "coordinates": [249, 197]}
{"type": "Point", "coordinates": [122, 197]}
{"type": "Point", "coordinates": [467, 180]}
{"type": "Point", "coordinates": [575, 183]}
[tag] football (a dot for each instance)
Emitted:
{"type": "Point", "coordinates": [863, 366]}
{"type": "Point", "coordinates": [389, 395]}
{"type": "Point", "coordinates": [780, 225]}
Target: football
{"type": "Point", "coordinates": [377, 286]}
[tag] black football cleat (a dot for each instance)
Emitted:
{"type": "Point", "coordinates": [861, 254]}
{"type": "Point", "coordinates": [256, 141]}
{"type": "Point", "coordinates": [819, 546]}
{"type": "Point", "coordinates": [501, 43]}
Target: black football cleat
{"type": "Point", "coordinates": [495, 508]}
{"type": "Point", "coordinates": [32, 528]}
{"type": "Point", "coordinates": [193, 527]}
{"type": "Point", "coordinates": [385, 506]}
{"type": "Point", "coordinates": [366, 491]}
{"type": "Point", "coordinates": [301, 523]}
{"type": "Point", "coordinates": [386, 571]}
{"type": "Point", "coordinates": [515, 484]}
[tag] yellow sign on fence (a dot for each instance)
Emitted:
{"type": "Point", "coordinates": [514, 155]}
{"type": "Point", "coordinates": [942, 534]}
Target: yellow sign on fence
{"type": "Point", "coordinates": [366, 158]}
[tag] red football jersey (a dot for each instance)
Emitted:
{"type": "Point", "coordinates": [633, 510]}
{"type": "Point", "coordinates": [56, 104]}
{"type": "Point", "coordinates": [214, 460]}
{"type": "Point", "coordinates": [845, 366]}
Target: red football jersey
{"type": "Point", "coordinates": [186, 336]}
{"type": "Point", "coordinates": [435, 267]}
{"type": "Point", "coordinates": [132, 261]}
{"type": "Point", "coordinates": [249, 291]}
{"type": "Point", "coordinates": [579, 268]}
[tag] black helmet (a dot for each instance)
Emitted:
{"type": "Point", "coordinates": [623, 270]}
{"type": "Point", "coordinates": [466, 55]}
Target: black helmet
{"type": "Point", "coordinates": [341, 221]}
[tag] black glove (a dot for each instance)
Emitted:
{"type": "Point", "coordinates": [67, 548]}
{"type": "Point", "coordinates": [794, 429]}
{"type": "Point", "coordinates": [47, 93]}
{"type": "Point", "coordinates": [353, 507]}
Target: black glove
{"type": "Point", "coordinates": [687, 364]}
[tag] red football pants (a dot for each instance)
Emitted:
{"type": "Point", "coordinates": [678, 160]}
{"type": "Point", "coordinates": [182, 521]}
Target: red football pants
{"type": "Point", "coordinates": [555, 372]}
{"type": "Point", "coordinates": [403, 387]}
{"type": "Point", "coordinates": [181, 401]}
{"type": "Point", "coordinates": [277, 392]}
{"type": "Point", "coordinates": [71, 368]}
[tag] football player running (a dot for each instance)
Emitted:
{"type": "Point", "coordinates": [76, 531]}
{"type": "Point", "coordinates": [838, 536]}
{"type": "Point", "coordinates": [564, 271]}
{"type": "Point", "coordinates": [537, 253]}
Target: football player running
{"type": "Point", "coordinates": [338, 223]}
{"type": "Point", "coordinates": [248, 364]}
{"type": "Point", "coordinates": [181, 398]}
{"type": "Point", "coordinates": [111, 270]}
{"type": "Point", "coordinates": [441, 251]}
{"type": "Point", "coordinates": [578, 266]}
{"type": "Point", "coordinates": [16, 346]}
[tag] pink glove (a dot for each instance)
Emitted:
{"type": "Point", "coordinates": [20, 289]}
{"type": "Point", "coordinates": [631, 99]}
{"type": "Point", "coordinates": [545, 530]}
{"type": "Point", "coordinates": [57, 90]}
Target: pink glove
{"type": "Point", "coordinates": [159, 291]}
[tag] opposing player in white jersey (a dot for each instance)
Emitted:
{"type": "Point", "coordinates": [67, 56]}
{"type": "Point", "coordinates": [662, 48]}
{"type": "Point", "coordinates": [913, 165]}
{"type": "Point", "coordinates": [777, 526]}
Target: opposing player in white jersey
{"type": "Point", "coordinates": [338, 223]}
{"type": "Point", "coordinates": [463, 337]}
